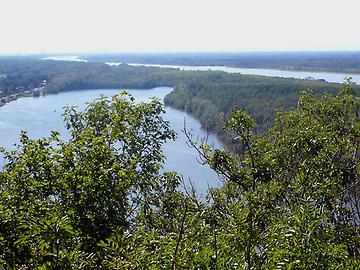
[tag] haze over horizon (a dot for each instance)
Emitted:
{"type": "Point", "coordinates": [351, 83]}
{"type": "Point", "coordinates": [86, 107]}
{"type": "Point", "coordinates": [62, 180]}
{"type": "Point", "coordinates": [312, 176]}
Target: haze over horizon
{"type": "Point", "coordinates": [138, 26]}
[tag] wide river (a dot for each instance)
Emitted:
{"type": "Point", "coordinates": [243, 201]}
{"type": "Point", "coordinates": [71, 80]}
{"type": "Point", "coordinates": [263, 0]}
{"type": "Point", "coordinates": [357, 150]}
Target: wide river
{"type": "Point", "coordinates": [42, 114]}
{"type": "Point", "coordinates": [327, 76]}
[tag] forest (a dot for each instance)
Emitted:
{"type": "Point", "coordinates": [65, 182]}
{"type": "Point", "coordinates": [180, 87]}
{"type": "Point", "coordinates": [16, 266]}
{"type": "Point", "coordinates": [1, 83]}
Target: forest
{"type": "Point", "coordinates": [212, 100]}
{"type": "Point", "coordinates": [289, 199]}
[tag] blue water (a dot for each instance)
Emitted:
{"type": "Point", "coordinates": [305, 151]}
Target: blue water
{"type": "Point", "coordinates": [41, 115]}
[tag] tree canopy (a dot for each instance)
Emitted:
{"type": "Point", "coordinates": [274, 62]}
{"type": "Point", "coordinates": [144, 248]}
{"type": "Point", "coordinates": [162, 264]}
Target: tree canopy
{"type": "Point", "coordinates": [289, 200]}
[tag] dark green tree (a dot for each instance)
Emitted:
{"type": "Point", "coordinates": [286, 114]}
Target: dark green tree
{"type": "Point", "coordinates": [291, 197]}
{"type": "Point", "coordinates": [60, 199]}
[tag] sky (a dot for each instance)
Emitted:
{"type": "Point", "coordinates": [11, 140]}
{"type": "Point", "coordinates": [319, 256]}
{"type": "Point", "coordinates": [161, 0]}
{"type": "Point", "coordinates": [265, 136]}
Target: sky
{"type": "Point", "coordinates": [108, 26]}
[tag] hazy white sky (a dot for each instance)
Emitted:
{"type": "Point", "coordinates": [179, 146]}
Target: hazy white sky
{"type": "Point", "coordinates": [28, 26]}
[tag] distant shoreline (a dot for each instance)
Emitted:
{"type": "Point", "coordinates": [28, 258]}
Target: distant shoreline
{"type": "Point", "coordinates": [322, 76]}
{"type": "Point", "coordinates": [350, 73]}
{"type": "Point", "coordinates": [30, 93]}
{"type": "Point", "coordinates": [307, 61]}
{"type": "Point", "coordinates": [252, 61]}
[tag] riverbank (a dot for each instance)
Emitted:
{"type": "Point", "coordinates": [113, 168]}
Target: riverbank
{"type": "Point", "coordinates": [30, 93]}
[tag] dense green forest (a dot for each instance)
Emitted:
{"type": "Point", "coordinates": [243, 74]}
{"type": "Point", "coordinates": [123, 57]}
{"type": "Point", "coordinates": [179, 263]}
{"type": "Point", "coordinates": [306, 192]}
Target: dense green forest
{"type": "Point", "coordinates": [289, 200]}
{"type": "Point", "coordinates": [212, 100]}
{"type": "Point", "coordinates": [345, 62]}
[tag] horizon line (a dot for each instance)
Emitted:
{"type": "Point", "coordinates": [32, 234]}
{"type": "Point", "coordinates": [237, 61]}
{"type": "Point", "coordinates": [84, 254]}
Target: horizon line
{"type": "Point", "coordinates": [175, 52]}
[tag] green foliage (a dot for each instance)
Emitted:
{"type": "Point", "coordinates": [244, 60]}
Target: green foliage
{"type": "Point", "coordinates": [290, 197]}
{"type": "Point", "coordinates": [60, 200]}
{"type": "Point", "coordinates": [211, 98]}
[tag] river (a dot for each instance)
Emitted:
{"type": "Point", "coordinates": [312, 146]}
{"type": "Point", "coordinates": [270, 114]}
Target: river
{"type": "Point", "coordinates": [327, 76]}
{"type": "Point", "coordinates": [40, 115]}
{"type": "Point", "coordinates": [65, 58]}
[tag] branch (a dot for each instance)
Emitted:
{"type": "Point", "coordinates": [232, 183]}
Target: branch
{"type": "Point", "coordinates": [173, 265]}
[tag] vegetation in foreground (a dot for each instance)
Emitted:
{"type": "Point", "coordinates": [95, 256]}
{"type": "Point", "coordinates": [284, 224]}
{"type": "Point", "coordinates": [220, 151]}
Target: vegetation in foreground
{"type": "Point", "coordinates": [290, 198]}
